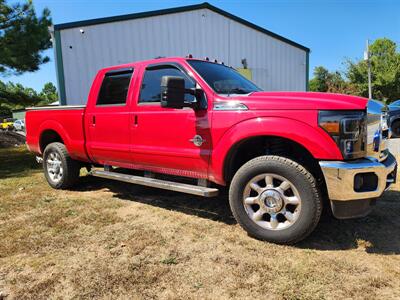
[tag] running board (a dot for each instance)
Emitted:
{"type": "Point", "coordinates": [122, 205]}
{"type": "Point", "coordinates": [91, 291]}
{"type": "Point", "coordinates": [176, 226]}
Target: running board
{"type": "Point", "coordinates": [157, 183]}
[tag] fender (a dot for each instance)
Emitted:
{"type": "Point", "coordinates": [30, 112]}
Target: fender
{"type": "Point", "coordinates": [394, 119]}
{"type": "Point", "coordinates": [76, 148]}
{"type": "Point", "coordinates": [314, 139]}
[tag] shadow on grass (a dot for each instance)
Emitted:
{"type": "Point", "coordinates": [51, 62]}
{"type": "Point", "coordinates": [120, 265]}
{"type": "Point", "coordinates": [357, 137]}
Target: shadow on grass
{"type": "Point", "coordinates": [216, 209]}
{"type": "Point", "coordinates": [378, 233]}
{"type": "Point", "coordinates": [16, 162]}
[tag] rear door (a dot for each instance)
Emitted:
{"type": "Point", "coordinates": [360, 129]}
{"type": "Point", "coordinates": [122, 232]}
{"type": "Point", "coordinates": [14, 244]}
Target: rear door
{"type": "Point", "coordinates": [108, 119]}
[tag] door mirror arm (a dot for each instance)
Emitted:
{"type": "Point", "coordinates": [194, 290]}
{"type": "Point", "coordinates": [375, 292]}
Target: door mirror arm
{"type": "Point", "coordinates": [173, 94]}
{"type": "Point", "coordinates": [198, 97]}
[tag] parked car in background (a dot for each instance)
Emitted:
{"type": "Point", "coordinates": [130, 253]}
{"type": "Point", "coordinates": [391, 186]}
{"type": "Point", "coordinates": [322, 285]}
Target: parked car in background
{"type": "Point", "coordinates": [19, 125]}
{"type": "Point", "coordinates": [394, 119]}
{"type": "Point", "coordinates": [393, 115]}
{"type": "Point", "coordinates": [395, 104]}
{"type": "Point", "coordinates": [7, 124]}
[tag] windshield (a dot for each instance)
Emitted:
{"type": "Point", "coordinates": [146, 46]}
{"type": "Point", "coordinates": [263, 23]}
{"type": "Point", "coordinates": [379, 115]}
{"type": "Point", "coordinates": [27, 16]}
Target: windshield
{"type": "Point", "coordinates": [222, 79]}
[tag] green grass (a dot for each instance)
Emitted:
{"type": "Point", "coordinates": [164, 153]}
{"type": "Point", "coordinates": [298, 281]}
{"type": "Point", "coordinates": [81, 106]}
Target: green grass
{"type": "Point", "coordinates": [108, 240]}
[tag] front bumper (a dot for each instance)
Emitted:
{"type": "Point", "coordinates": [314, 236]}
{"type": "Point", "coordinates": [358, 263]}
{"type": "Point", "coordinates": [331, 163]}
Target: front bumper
{"type": "Point", "coordinates": [360, 179]}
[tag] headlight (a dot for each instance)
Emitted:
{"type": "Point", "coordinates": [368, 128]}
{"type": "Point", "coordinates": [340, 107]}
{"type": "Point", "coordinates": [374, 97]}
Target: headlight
{"type": "Point", "coordinates": [348, 129]}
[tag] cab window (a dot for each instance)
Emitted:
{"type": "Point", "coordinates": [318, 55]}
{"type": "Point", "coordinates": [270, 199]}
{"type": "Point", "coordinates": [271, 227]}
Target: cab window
{"type": "Point", "coordinates": [114, 89]}
{"type": "Point", "coordinates": [151, 84]}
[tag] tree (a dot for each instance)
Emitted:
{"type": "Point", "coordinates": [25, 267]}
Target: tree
{"type": "Point", "coordinates": [385, 66]}
{"type": "Point", "coordinates": [49, 92]}
{"type": "Point", "coordinates": [23, 37]}
{"type": "Point", "coordinates": [320, 81]}
{"type": "Point", "coordinates": [332, 82]}
{"type": "Point", "coordinates": [16, 96]}
{"type": "Point", "coordinates": [385, 70]}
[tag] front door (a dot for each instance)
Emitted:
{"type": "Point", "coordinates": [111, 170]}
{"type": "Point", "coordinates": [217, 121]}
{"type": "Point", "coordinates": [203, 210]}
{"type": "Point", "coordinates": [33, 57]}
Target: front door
{"type": "Point", "coordinates": [165, 140]}
{"type": "Point", "coordinates": [108, 120]}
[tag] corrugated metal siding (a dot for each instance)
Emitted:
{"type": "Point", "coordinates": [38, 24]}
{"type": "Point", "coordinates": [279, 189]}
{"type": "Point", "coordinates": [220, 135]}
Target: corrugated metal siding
{"type": "Point", "coordinates": [275, 65]}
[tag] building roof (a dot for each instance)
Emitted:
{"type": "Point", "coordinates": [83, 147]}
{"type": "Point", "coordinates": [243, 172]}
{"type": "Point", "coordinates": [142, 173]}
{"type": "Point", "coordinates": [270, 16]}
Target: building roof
{"type": "Point", "coordinates": [161, 12]}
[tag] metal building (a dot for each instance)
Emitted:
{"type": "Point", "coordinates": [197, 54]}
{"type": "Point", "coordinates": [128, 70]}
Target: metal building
{"type": "Point", "coordinates": [81, 48]}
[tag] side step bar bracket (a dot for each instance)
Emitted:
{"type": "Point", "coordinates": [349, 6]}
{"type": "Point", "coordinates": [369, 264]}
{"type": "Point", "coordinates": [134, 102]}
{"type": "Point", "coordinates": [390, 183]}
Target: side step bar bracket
{"type": "Point", "coordinates": [157, 183]}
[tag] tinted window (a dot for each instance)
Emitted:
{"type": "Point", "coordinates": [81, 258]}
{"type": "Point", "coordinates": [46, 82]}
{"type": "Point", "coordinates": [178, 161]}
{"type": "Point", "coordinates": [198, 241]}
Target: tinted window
{"type": "Point", "coordinates": [151, 84]}
{"type": "Point", "coordinates": [222, 79]}
{"type": "Point", "coordinates": [114, 88]}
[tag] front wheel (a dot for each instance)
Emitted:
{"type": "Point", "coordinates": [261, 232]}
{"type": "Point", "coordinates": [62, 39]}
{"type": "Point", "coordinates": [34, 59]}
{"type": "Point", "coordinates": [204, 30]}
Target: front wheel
{"type": "Point", "coordinates": [60, 170]}
{"type": "Point", "coordinates": [275, 199]}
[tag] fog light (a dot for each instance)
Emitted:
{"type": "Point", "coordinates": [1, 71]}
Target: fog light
{"type": "Point", "coordinates": [358, 182]}
{"type": "Point", "coordinates": [365, 182]}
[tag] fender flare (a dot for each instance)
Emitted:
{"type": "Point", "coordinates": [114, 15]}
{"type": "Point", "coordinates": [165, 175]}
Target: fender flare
{"type": "Point", "coordinates": [314, 140]}
{"type": "Point", "coordinates": [57, 128]}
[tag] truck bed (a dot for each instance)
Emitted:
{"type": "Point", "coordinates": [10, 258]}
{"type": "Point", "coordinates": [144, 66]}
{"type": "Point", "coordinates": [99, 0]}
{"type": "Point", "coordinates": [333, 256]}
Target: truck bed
{"type": "Point", "coordinates": [42, 121]}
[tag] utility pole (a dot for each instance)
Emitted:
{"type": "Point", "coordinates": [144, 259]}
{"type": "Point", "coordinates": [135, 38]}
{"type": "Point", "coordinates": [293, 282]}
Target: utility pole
{"type": "Point", "coordinates": [367, 57]}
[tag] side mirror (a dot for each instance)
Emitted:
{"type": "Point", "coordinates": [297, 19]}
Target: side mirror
{"type": "Point", "coordinates": [173, 92]}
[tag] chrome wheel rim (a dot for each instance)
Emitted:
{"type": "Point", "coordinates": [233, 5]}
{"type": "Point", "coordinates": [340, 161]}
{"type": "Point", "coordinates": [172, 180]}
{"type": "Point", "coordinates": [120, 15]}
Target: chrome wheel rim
{"type": "Point", "coordinates": [272, 201]}
{"type": "Point", "coordinates": [54, 167]}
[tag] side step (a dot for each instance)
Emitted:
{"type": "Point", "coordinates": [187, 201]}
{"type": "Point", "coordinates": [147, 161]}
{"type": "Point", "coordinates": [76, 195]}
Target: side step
{"type": "Point", "coordinates": [157, 183]}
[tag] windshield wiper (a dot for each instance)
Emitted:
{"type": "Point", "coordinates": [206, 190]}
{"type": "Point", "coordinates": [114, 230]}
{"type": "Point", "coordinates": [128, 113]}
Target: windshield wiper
{"type": "Point", "coordinates": [237, 91]}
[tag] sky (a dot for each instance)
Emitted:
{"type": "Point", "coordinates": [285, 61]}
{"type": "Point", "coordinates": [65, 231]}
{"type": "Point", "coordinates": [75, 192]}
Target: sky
{"type": "Point", "coordinates": [334, 30]}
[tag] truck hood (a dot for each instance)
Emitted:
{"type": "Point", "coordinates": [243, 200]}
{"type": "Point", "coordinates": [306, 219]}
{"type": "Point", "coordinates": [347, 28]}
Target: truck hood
{"type": "Point", "coordinates": [301, 100]}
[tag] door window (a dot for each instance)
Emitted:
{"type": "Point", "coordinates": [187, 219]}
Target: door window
{"type": "Point", "coordinates": [114, 89]}
{"type": "Point", "coordinates": [151, 84]}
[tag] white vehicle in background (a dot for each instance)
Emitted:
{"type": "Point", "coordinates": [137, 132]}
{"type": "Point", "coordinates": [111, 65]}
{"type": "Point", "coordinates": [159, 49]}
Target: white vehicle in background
{"type": "Point", "coordinates": [19, 125]}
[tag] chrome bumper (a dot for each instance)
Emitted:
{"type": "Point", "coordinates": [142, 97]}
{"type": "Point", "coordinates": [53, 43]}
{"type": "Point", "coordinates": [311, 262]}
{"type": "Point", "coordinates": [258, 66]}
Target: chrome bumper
{"type": "Point", "coordinates": [340, 177]}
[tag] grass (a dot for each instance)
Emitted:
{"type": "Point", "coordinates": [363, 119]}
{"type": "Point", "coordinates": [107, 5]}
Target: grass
{"type": "Point", "coordinates": [112, 240]}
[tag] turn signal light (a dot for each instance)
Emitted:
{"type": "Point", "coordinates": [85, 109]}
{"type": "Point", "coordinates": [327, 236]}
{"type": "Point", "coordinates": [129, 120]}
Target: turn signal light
{"type": "Point", "coordinates": [331, 127]}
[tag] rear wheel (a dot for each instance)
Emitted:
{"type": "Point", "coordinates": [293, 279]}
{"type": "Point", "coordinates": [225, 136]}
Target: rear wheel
{"type": "Point", "coordinates": [275, 199]}
{"type": "Point", "coordinates": [396, 128]}
{"type": "Point", "coordinates": [60, 170]}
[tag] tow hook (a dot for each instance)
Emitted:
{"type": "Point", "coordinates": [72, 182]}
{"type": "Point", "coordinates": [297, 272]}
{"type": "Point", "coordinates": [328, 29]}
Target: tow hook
{"type": "Point", "coordinates": [39, 160]}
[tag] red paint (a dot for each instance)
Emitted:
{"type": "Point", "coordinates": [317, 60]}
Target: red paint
{"type": "Point", "coordinates": [149, 137]}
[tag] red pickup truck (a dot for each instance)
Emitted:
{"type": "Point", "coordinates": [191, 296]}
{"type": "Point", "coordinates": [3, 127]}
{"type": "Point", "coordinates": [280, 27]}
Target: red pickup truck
{"type": "Point", "coordinates": [283, 154]}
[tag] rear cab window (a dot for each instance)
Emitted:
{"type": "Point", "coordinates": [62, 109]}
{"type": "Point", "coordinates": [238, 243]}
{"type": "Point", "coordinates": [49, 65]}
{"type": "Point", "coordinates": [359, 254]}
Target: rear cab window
{"type": "Point", "coordinates": [114, 88]}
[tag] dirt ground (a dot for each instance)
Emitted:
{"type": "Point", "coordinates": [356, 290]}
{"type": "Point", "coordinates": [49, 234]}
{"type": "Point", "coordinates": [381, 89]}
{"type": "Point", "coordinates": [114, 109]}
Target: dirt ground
{"type": "Point", "coordinates": [11, 139]}
{"type": "Point", "coordinates": [109, 240]}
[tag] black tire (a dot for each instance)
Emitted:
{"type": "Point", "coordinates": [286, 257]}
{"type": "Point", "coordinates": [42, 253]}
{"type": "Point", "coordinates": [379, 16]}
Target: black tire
{"type": "Point", "coordinates": [396, 129]}
{"type": "Point", "coordinates": [300, 178]}
{"type": "Point", "coordinates": [70, 167]}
